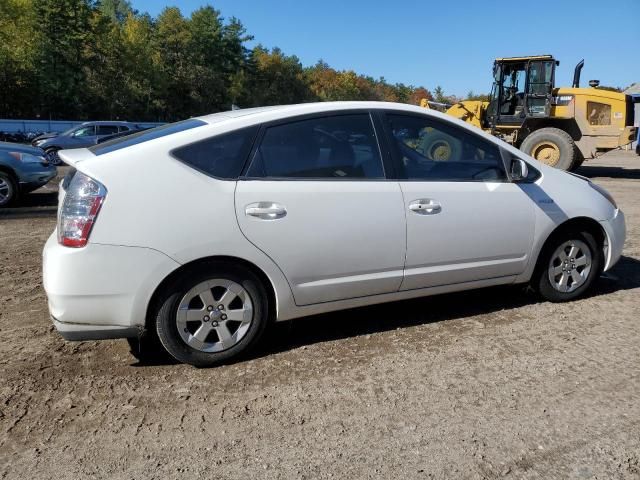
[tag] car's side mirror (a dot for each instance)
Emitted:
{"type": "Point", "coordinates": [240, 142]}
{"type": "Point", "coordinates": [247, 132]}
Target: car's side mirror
{"type": "Point", "coordinates": [519, 169]}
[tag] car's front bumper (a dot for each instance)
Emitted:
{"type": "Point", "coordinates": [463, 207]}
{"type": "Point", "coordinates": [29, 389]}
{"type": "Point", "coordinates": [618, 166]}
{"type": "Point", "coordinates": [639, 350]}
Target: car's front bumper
{"type": "Point", "coordinates": [616, 231]}
{"type": "Point", "coordinates": [101, 291]}
{"type": "Point", "coordinates": [35, 176]}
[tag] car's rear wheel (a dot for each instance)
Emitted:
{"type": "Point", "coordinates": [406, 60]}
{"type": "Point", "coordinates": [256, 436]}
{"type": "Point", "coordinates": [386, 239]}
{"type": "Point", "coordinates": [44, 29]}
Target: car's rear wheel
{"type": "Point", "coordinates": [213, 315]}
{"type": "Point", "coordinates": [147, 348]}
{"type": "Point", "coordinates": [8, 191]}
{"type": "Point", "coordinates": [568, 266]}
{"type": "Point", "coordinates": [52, 156]}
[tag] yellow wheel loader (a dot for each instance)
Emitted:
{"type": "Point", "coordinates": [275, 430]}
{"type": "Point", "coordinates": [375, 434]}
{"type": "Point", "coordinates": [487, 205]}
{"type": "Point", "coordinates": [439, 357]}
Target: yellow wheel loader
{"type": "Point", "coordinates": [559, 126]}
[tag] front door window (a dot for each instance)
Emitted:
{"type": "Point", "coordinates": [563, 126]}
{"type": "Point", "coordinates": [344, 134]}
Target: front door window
{"type": "Point", "coordinates": [513, 86]}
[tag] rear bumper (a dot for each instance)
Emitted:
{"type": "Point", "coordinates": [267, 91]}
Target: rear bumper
{"type": "Point", "coordinates": [79, 332]}
{"type": "Point", "coordinates": [101, 291]}
{"type": "Point", "coordinates": [616, 231]}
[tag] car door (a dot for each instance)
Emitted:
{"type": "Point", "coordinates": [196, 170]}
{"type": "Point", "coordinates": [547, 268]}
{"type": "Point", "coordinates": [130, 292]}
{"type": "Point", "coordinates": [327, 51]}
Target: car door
{"type": "Point", "coordinates": [84, 136]}
{"type": "Point", "coordinates": [105, 130]}
{"type": "Point", "coordinates": [315, 200]}
{"type": "Point", "coordinates": [465, 220]}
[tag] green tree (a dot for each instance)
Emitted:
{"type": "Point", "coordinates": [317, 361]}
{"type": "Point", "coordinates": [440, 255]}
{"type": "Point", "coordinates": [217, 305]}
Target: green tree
{"type": "Point", "coordinates": [274, 78]}
{"type": "Point", "coordinates": [216, 55]}
{"type": "Point", "coordinates": [116, 10]}
{"type": "Point", "coordinates": [142, 70]}
{"type": "Point", "coordinates": [102, 59]}
{"type": "Point", "coordinates": [172, 40]}
{"type": "Point", "coordinates": [438, 95]}
{"type": "Point", "coordinates": [65, 26]}
{"type": "Point", "coordinates": [484, 97]}
{"type": "Point", "coordinates": [19, 37]}
{"type": "Point", "coordinates": [104, 93]}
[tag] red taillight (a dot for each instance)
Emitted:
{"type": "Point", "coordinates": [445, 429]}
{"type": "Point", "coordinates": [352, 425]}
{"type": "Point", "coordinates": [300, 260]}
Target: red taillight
{"type": "Point", "coordinates": [80, 207]}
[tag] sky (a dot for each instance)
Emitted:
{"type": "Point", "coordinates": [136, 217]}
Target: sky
{"type": "Point", "coordinates": [451, 43]}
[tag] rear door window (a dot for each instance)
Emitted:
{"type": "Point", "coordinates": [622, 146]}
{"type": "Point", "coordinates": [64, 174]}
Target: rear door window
{"type": "Point", "coordinates": [335, 147]}
{"type": "Point", "coordinates": [107, 129]}
{"type": "Point", "coordinates": [222, 156]}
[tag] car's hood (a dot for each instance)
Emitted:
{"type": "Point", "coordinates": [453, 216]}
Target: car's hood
{"type": "Point", "coordinates": [45, 136]}
{"type": "Point", "coordinates": [21, 148]}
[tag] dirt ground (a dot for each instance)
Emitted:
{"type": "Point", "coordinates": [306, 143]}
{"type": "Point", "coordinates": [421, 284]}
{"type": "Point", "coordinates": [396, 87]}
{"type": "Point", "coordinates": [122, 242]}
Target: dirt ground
{"type": "Point", "coordinates": [484, 384]}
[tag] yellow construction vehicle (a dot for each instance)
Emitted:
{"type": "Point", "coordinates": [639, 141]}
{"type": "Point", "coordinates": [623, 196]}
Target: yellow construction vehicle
{"type": "Point", "coordinates": [558, 126]}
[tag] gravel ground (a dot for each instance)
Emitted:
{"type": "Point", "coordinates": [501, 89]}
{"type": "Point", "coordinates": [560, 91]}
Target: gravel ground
{"type": "Point", "coordinates": [483, 384]}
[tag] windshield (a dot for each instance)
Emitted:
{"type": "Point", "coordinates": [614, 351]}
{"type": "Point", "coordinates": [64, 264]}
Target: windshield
{"type": "Point", "coordinates": [145, 136]}
{"type": "Point", "coordinates": [70, 131]}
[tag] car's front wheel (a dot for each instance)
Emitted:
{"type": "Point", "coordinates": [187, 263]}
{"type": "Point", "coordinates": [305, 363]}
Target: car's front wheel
{"type": "Point", "coordinates": [8, 191]}
{"type": "Point", "coordinates": [568, 266]}
{"type": "Point", "coordinates": [212, 315]}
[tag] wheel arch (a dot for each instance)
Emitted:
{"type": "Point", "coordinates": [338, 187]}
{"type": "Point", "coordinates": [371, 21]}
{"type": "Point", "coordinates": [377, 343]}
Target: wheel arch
{"type": "Point", "coordinates": [201, 262]}
{"type": "Point", "coordinates": [12, 174]}
{"type": "Point", "coordinates": [582, 223]}
{"type": "Point", "coordinates": [9, 171]}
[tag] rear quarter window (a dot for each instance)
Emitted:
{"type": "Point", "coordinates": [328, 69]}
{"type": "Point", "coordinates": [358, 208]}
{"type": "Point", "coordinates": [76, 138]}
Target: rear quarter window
{"type": "Point", "coordinates": [222, 156]}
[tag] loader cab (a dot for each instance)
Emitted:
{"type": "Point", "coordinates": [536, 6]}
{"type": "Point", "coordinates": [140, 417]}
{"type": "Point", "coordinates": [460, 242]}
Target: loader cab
{"type": "Point", "coordinates": [522, 89]}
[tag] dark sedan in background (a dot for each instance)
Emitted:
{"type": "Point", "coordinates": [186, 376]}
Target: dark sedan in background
{"type": "Point", "coordinates": [22, 170]}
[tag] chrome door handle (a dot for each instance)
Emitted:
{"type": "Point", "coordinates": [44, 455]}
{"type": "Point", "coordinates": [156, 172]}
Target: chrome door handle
{"type": "Point", "coordinates": [265, 210]}
{"type": "Point", "coordinates": [425, 206]}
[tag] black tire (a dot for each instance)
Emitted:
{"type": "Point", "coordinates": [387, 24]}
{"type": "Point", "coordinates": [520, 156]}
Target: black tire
{"type": "Point", "coordinates": [165, 318]}
{"type": "Point", "coordinates": [532, 145]}
{"type": "Point", "coordinates": [579, 160]}
{"type": "Point", "coordinates": [9, 190]}
{"type": "Point", "coordinates": [147, 348]}
{"type": "Point", "coordinates": [541, 281]}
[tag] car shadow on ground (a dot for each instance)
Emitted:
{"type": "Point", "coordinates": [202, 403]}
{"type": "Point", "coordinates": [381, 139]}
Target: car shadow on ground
{"type": "Point", "coordinates": [390, 316]}
{"type": "Point", "coordinates": [288, 335]}
{"type": "Point", "coordinates": [40, 204]}
{"type": "Point", "coordinates": [594, 171]}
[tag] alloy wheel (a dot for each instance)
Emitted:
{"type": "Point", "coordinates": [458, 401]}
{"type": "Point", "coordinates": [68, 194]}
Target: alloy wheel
{"type": "Point", "coordinates": [214, 315]}
{"type": "Point", "coordinates": [570, 266]}
{"type": "Point", "coordinates": [6, 191]}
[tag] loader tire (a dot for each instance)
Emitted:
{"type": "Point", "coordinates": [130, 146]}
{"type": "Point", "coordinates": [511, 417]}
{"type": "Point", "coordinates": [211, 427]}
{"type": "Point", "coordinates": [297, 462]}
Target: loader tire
{"type": "Point", "coordinates": [551, 146]}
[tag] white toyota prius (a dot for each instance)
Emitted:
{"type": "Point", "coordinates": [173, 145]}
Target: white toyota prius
{"type": "Point", "coordinates": [194, 236]}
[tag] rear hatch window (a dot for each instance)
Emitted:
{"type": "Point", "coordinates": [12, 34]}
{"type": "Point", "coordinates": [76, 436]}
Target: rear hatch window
{"type": "Point", "coordinates": [145, 136]}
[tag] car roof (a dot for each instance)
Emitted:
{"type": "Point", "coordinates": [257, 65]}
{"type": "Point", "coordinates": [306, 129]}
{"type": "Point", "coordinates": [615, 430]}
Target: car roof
{"type": "Point", "coordinates": [254, 116]}
{"type": "Point", "coordinates": [283, 111]}
{"type": "Point", "coordinates": [106, 122]}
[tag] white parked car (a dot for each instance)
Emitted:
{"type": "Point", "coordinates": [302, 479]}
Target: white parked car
{"type": "Point", "coordinates": [193, 236]}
